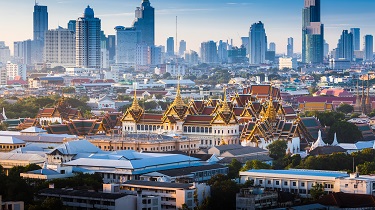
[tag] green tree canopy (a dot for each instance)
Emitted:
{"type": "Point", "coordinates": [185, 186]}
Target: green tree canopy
{"type": "Point", "coordinates": [234, 168]}
{"type": "Point", "coordinates": [346, 132]}
{"type": "Point", "coordinates": [345, 108]}
{"type": "Point", "coordinates": [277, 149]}
{"type": "Point", "coordinates": [317, 191]}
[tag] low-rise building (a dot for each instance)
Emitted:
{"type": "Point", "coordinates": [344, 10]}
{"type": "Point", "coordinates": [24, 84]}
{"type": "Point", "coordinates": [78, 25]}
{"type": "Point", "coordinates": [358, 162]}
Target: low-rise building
{"type": "Point", "coordinates": [9, 143]}
{"type": "Point", "coordinates": [11, 205]}
{"type": "Point", "coordinates": [256, 198]}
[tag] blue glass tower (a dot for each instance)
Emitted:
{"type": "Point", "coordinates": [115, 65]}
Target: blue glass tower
{"type": "Point", "coordinates": [145, 22]}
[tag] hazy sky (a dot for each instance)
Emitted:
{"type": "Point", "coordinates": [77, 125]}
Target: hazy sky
{"type": "Point", "coordinates": [199, 20]}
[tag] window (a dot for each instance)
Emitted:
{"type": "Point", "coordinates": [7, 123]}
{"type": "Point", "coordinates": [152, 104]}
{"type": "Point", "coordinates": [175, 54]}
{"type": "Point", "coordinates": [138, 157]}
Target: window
{"type": "Point", "coordinates": [285, 183]}
{"type": "Point", "coordinates": [294, 184]}
{"type": "Point", "coordinates": [277, 182]}
{"type": "Point", "coordinates": [355, 186]}
{"type": "Point", "coordinates": [260, 181]}
{"type": "Point", "coordinates": [302, 184]}
{"type": "Point", "coordinates": [269, 182]}
{"type": "Point", "coordinates": [346, 185]}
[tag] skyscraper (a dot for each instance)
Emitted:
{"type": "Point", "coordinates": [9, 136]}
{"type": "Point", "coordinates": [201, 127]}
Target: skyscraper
{"type": "Point", "coordinates": [170, 46]}
{"type": "Point", "coordinates": [369, 48]}
{"type": "Point", "coordinates": [222, 52]}
{"type": "Point", "coordinates": [290, 47]}
{"type": "Point", "coordinates": [272, 47]}
{"type": "Point", "coordinates": [72, 25]}
{"type": "Point", "coordinates": [356, 38]}
{"type": "Point", "coordinates": [209, 52]}
{"type": "Point", "coordinates": [111, 46]}
{"type": "Point", "coordinates": [88, 48]}
{"type": "Point", "coordinates": [245, 43]}
{"type": "Point", "coordinates": [145, 22]}
{"type": "Point", "coordinates": [40, 19]}
{"type": "Point", "coordinates": [126, 45]}
{"type": "Point", "coordinates": [312, 33]}
{"type": "Point", "coordinates": [344, 48]}
{"type": "Point", "coordinates": [258, 43]}
{"type": "Point", "coordinates": [182, 49]}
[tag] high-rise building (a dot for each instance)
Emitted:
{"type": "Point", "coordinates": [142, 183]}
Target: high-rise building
{"type": "Point", "coordinates": [344, 48]}
{"type": "Point", "coordinates": [182, 48]}
{"type": "Point", "coordinates": [4, 53]}
{"type": "Point", "coordinates": [272, 47]}
{"type": "Point", "coordinates": [60, 47]}
{"type": "Point", "coordinates": [127, 40]}
{"type": "Point", "coordinates": [72, 25]}
{"type": "Point", "coordinates": [258, 43]}
{"type": "Point", "coordinates": [145, 22]}
{"type": "Point", "coordinates": [170, 46]}
{"type": "Point", "coordinates": [88, 48]}
{"type": "Point", "coordinates": [312, 33]}
{"type": "Point", "coordinates": [356, 38]}
{"type": "Point", "coordinates": [156, 55]}
{"type": "Point", "coordinates": [246, 44]}
{"type": "Point", "coordinates": [22, 52]}
{"type": "Point", "coordinates": [369, 48]}
{"type": "Point", "coordinates": [104, 54]}
{"type": "Point", "coordinates": [16, 70]}
{"type": "Point", "coordinates": [209, 52]}
{"type": "Point", "coordinates": [40, 18]}
{"type": "Point", "coordinates": [326, 49]}
{"type": "Point", "coordinates": [191, 57]}
{"type": "Point", "coordinates": [222, 52]}
{"type": "Point", "coordinates": [290, 47]}
{"type": "Point", "coordinates": [111, 47]}
{"type": "Point", "coordinates": [142, 58]}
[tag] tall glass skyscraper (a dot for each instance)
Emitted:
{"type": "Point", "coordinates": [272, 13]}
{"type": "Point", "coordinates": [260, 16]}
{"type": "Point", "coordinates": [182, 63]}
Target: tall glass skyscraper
{"type": "Point", "coordinates": [40, 20]}
{"type": "Point", "coordinates": [170, 46]}
{"type": "Point", "coordinates": [209, 52]}
{"type": "Point", "coordinates": [369, 48]}
{"type": "Point", "coordinates": [312, 33]}
{"type": "Point", "coordinates": [258, 43]}
{"type": "Point", "coordinates": [344, 48]}
{"type": "Point", "coordinates": [145, 22]}
{"type": "Point", "coordinates": [290, 47]}
{"type": "Point", "coordinates": [356, 38]}
{"type": "Point", "coordinates": [88, 48]}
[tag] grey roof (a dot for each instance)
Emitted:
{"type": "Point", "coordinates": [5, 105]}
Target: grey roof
{"type": "Point", "coordinates": [327, 150]}
{"type": "Point", "coordinates": [224, 148]}
{"type": "Point", "coordinates": [10, 140]}
{"type": "Point", "coordinates": [32, 158]}
{"type": "Point", "coordinates": [243, 159]}
{"type": "Point", "coordinates": [243, 151]}
{"type": "Point", "coordinates": [33, 130]}
{"type": "Point", "coordinates": [78, 146]}
{"type": "Point", "coordinates": [80, 193]}
{"type": "Point", "coordinates": [158, 184]}
{"type": "Point", "coordinates": [44, 171]}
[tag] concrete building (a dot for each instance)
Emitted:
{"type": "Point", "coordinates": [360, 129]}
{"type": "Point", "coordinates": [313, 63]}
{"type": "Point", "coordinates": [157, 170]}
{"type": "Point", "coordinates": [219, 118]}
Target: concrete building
{"type": "Point", "coordinates": [156, 55]}
{"type": "Point", "coordinates": [88, 46]}
{"type": "Point", "coordinates": [72, 25]}
{"type": "Point", "coordinates": [60, 47]}
{"type": "Point", "coordinates": [11, 205]}
{"type": "Point", "coordinates": [4, 53]}
{"type": "Point", "coordinates": [191, 57]}
{"type": "Point", "coordinates": [9, 143]}
{"type": "Point", "coordinates": [290, 47]}
{"type": "Point", "coordinates": [344, 48]}
{"type": "Point", "coordinates": [245, 41]}
{"type": "Point", "coordinates": [287, 62]}
{"type": "Point", "coordinates": [209, 53]}
{"type": "Point", "coordinates": [312, 33]}
{"type": "Point", "coordinates": [222, 52]}
{"type": "Point", "coordinates": [142, 57]}
{"type": "Point", "coordinates": [256, 198]}
{"type": "Point", "coordinates": [182, 48]}
{"type": "Point", "coordinates": [272, 47]}
{"type": "Point", "coordinates": [258, 43]}
{"type": "Point", "coordinates": [356, 38]}
{"type": "Point", "coordinates": [16, 70]}
{"type": "Point", "coordinates": [175, 69]}
{"type": "Point", "coordinates": [170, 46]}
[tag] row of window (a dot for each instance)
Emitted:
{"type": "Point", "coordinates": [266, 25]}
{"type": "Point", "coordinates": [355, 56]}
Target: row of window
{"type": "Point", "coordinates": [11, 146]}
{"type": "Point", "coordinates": [293, 183]}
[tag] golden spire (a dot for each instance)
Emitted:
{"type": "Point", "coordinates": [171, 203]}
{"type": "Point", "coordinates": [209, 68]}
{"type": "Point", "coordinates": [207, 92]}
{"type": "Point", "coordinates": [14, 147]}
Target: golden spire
{"type": "Point", "coordinates": [135, 106]}
{"type": "Point", "coordinates": [178, 102]}
{"type": "Point", "coordinates": [225, 108]}
{"type": "Point", "coordinates": [271, 112]}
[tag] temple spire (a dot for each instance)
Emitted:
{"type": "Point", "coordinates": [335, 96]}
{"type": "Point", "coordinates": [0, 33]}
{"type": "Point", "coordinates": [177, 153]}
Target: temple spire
{"type": "Point", "coordinates": [178, 102]}
{"type": "Point", "coordinates": [225, 108]}
{"type": "Point", "coordinates": [4, 116]}
{"type": "Point", "coordinates": [335, 142]}
{"type": "Point", "coordinates": [135, 105]}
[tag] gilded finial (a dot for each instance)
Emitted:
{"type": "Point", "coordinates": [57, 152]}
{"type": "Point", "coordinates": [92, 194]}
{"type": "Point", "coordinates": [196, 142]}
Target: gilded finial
{"type": "Point", "coordinates": [178, 102]}
{"type": "Point", "coordinates": [225, 108]}
{"type": "Point", "coordinates": [135, 105]}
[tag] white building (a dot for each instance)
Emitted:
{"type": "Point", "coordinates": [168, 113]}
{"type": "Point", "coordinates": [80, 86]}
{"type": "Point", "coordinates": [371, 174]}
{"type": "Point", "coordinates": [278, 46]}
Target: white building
{"type": "Point", "coordinates": [287, 62]}
{"type": "Point", "coordinates": [4, 53]}
{"type": "Point", "coordinates": [142, 58]}
{"type": "Point", "coordinates": [175, 69]}
{"type": "Point", "coordinates": [60, 47]}
{"type": "Point", "coordinates": [300, 181]}
{"type": "Point", "coordinates": [14, 70]}
{"type": "Point", "coordinates": [88, 49]}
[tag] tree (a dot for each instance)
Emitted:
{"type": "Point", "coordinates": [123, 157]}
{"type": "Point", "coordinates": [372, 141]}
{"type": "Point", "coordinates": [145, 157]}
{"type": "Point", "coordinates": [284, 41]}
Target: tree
{"type": "Point", "coordinates": [223, 192]}
{"type": "Point", "coordinates": [346, 132]}
{"type": "Point", "coordinates": [317, 191]}
{"type": "Point", "coordinates": [166, 75]}
{"type": "Point", "coordinates": [345, 108]}
{"type": "Point", "coordinates": [366, 168]}
{"type": "Point", "coordinates": [255, 164]}
{"type": "Point", "coordinates": [328, 118]}
{"type": "Point", "coordinates": [277, 149]}
{"type": "Point", "coordinates": [234, 168]}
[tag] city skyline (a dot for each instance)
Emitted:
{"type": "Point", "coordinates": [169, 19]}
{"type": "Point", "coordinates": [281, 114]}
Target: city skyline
{"type": "Point", "coordinates": [205, 18]}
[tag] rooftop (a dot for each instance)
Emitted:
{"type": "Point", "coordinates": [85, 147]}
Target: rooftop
{"type": "Point", "coordinates": [158, 184]}
{"type": "Point", "coordinates": [80, 193]}
{"type": "Point", "coordinates": [301, 172]}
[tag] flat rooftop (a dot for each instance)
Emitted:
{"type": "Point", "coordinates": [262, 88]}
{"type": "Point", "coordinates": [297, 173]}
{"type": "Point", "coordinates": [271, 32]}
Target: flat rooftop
{"type": "Point", "coordinates": [157, 184]}
{"type": "Point", "coordinates": [301, 172]}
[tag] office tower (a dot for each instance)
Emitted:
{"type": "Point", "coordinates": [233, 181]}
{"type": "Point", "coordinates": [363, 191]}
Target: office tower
{"type": "Point", "coordinates": [191, 57]}
{"type": "Point", "coordinates": [142, 57]}
{"type": "Point", "coordinates": [344, 48]}
{"type": "Point", "coordinates": [246, 44]}
{"type": "Point", "coordinates": [126, 45]}
{"type": "Point", "coordinates": [72, 25]}
{"type": "Point", "coordinates": [222, 52]}
{"type": "Point", "coordinates": [369, 48]}
{"type": "Point", "coordinates": [88, 49]}
{"type": "Point", "coordinates": [60, 47]}
{"type": "Point", "coordinates": [170, 47]}
{"type": "Point", "coordinates": [326, 49]}
{"type": "Point", "coordinates": [111, 47]}
{"type": "Point", "coordinates": [4, 53]}
{"type": "Point", "coordinates": [312, 33]}
{"type": "Point", "coordinates": [182, 49]}
{"type": "Point", "coordinates": [3, 74]}
{"type": "Point", "coordinates": [290, 47]}
{"type": "Point", "coordinates": [145, 22]}
{"type": "Point", "coordinates": [40, 18]}
{"type": "Point", "coordinates": [258, 43]}
{"type": "Point", "coordinates": [356, 38]}
{"type": "Point", "coordinates": [22, 52]}
{"type": "Point", "coordinates": [209, 52]}
{"type": "Point", "coordinates": [272, 47]}
{"type": "Point", "coordinates": [104, 54]}
{"type": "Point", "coordinates": [156, 55]}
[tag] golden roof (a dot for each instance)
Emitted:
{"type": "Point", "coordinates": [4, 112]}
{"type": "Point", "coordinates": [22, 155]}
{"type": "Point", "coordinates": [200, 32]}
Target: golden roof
{"type": "Point", "coordinates": [178, 102]}
{"type": "Point", "coordinates": [135, 105]}
{"type": "Point", "coordinates": [225, 108]}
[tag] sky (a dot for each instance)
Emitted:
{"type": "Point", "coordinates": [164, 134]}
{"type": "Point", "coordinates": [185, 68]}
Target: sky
{"type": "Point", "coordinates": [198, 20]}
